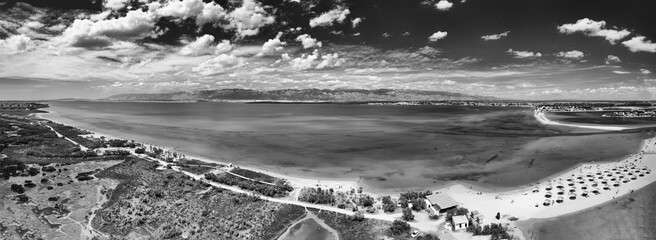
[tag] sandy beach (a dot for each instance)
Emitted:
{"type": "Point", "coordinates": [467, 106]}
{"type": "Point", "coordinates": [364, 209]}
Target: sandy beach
{"type": "Point", "coordinates": [584, 186]}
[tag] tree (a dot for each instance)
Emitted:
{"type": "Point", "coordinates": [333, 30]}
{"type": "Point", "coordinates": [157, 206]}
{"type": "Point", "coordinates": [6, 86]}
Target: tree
{"type": "Point", "coordinates": [399, 227]}
{"type": "Point", "coordinates": [418, 204]}
{"type": "Point", "coordinates": [407, 214]}
{"type": "Point", "coordinates": [404, 202]}
{"type": "Point", "coordinates": [358, 216]}
{"type": "Point", "coordinates": [366, 201]}
{"type": "Point", "coordinates": [389, 207]}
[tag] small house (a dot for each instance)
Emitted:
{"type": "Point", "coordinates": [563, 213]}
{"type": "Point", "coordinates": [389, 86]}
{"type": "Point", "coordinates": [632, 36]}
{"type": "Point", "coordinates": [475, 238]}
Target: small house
{"type": "Point", "coordinates": [459, 222]}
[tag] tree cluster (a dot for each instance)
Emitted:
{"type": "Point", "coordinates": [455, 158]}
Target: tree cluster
{"type": "Point", "coordinates": [497, 231]}
{"type": "Point", "coordinates": [261, 188]}
{"type": "Point", "coordinates": [317, 195]}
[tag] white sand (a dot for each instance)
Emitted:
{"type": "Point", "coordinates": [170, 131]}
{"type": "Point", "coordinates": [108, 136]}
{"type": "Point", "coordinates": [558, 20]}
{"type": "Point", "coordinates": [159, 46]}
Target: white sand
{"type": "Point", "coordinates": [522, 203]}
{"type": "Point", "coordinates": [540, 116]}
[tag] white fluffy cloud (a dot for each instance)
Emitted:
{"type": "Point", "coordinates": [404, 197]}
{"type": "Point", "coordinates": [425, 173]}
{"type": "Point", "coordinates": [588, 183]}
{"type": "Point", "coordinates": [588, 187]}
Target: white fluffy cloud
{"type": "Point", "coordinates": [314, 61]}
{"type": "Point", "coordinates": [34, 25]}
{"type": "Point", "coordinates": [645, 71]}
{"type": "Point", "coordinates": [223, 47]}
{"type": "Point", "coordinates": [437, 36]}
{"type": "Point", "coordinates": [272, 45]}
{"type": "Point", "coordinates": [249, 18]}
{"type": "Point", "coordinates": [356, 22]}
{"type": "Point", "coordinates": [202, 46]}
{"type": "Point", "coordinates": [640, 44]}
{"type": "Point", "coordinates": [219, 64]}
{"type": "Point", "coordinates": [115, 4]}
{"type": "Point", "coordinates": [88, 34]}
{"type": "Point", "coordinates": [594, 28]}
{"type": "Point", "coordinates": [524, 54]}
{"type": "Point", "coordinates": [612, 59]}
{"type": "Point", "coordinates": [307, 41]}
{"type": "Point", "coordinates": [495, 36]}
{"type": "Point", "coordinates": [15, 44]}
{"type": "Point", "coordinates": [328, 18]}
{"type": "Point", "coordinates": [202, 12]}
{"type": "Point", "coordinates": [443, 5]}
{"type": "Point", "coordinates": [575, 54]}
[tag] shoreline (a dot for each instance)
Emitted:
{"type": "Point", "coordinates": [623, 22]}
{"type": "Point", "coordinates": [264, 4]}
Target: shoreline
{"type": "Point", "coordinates": [542, 118]}
{"type": "Point", "coordinates": [295, 181]}
{"type": "Point", "coordinates": [481, 198]}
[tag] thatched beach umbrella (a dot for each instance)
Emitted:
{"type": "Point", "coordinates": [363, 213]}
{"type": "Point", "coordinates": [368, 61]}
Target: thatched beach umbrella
{"type": "Point", "coordinates": [606, 187]}
{"type": "Point", "coordinates": [572, 196]}
{"type": "Point", "coordinates": [548, 188]}
{"type": "Point", "coordinates": [547, 195]}
{"type": "Point", "coordinates": [596, 191]}
{"type": "Point", "coordinates": [584, 187]}
{"type": "Point", "coordinates": [585, 194]}
{"type": "Point", "coordinates": [546, 202]}
{"type": "Point", "coordinates": [616, 184]}
{"type": "Point", "coordinates": [559, 200]}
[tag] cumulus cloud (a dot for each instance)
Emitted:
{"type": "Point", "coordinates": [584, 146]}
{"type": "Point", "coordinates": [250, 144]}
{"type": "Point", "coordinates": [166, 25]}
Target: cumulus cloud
{"type": "Point", "coordinates": [645, 71]}
{"type": "Point", "coordinates": [100, 16]}
{"type": "Point", "coordinates": [314, 61]}
{"type": "Point", "coordinates": [219, 64]}
{"type": "Point", "coordinates": [15, 44]}
{"type": "Point", "coordinates": [328, 18]}
{"type": "Point", "coordinates": [88, 34]}
{"type": "Point", "coordinates": [621, 72]}
{"type": "Point", "coordinates": [612, 59]}
{"type": "Point", "coordinates": [575, 54]}
{"type": "Point", "coordinates": [272, 45]}
{"type": "Point", "coordinates": [34, 25]}
{"type": "Point", "coordinates": [437, 36]}
{"type": "Point", "coordinates": [249, 18]}
{"type": "Point", "coordinates": [202, 12]}
{"type": "Point", "coordinates": [356, 22]}
{"type": "Point", "coordinates": [115, 4]}
{"type": "Point", "coordinates": [640, 44]}
{"type": "Point", "coordinates": [443, 5]}
{"type": "Point", "coordinates": [202, 46]}
{"type": "Point", "coordinates": [495, 36]}
{"type": "Point", "coordinates": [307, 41]}
{"type": "Point", "coordinates": [524, 54]}
{"type": "Point", "coordinates": [594, 28]}
{"type": "Point", "coordinates": [57, 27]}
{"type": "Point", "coordinates": [223, 47]}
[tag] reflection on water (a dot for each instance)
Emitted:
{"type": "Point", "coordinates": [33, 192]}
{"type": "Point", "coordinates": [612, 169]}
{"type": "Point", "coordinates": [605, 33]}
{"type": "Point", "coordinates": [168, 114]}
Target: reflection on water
{"type": "Point", "coordinates": [307, 229]}
{"type": "Point", "coordinates": [386, 147]}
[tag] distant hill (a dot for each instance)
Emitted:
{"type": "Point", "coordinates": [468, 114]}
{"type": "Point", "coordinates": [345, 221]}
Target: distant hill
{"type": "Point", "coordinates": [320, 95]}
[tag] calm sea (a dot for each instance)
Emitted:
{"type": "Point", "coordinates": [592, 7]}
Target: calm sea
{"type": "Point", "coordinates": [385, 147]}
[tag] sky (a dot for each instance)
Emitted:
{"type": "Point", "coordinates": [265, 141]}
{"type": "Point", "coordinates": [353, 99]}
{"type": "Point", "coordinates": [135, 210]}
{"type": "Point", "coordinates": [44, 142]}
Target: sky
{"type": "Point", "coordinates": [515, 49]}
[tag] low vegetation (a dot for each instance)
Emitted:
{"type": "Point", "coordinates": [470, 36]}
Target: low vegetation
{"type": "Point", "coordinates": [354, 228]}
{"type": "Point", "coordinates": [317, 195]}
{"type": "Point", "coordinates": [280, 189]}
{"type": "Point", "coordinates": [171, 205]}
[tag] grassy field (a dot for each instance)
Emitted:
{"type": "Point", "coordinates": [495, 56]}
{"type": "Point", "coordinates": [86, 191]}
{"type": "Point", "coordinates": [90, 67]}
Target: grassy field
{"type": "Point", "coordinates": [628, 217]}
